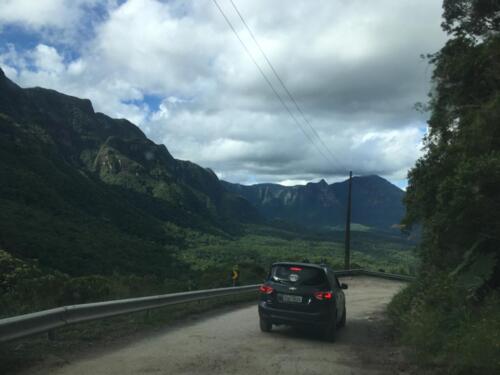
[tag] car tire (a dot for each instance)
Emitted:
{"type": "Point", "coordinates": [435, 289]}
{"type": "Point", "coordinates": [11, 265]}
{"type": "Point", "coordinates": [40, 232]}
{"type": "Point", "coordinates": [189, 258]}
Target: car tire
{"type": "Point", "coordinates": [265, 325]}
{"type": "Point", "coordinates": [342, 321]}
{"type": "Point", "coordinates": [331, 330]}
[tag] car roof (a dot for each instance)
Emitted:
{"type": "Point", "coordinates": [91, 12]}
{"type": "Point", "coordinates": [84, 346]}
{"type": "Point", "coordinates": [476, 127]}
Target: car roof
{"type": "Point", "coordinates": [312, 265]}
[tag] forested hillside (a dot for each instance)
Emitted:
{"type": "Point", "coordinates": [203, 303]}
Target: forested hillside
{"type": "Point", "coordinates": [451, 315]}
{"type": "Point", "coordinates": [85, 193]}
{"type": "Point", "coordinates": [84, 197]}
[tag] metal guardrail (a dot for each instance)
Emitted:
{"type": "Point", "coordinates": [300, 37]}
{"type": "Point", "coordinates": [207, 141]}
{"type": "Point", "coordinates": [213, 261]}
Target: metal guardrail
{"type": "Point", "coordinates": [389, 276]}
{"type": "Point", "coordinates": [383, 275]}
{"type": "Point", "coordinates": [47, 320]}
{"type": "Point", "coordinates": [44, 321]}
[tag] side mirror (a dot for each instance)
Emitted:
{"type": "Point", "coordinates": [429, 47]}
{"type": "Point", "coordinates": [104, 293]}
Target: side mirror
{"type": "Point", "coordinates": [343, 286]}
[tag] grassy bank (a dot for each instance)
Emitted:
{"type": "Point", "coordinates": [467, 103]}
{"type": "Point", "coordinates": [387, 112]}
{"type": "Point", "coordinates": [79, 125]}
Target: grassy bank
{"type": "Point", "coordinates": [448, 329]}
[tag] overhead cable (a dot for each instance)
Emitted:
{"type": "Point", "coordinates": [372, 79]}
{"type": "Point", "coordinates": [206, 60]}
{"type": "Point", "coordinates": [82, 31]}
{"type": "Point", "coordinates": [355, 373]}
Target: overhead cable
{"type": "Point", "coordinates": [268, 81]}
{"type": "Point", "coordinates": [271, 66]}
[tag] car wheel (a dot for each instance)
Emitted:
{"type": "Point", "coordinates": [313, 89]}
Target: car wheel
{"type": "Point", "coordinates": [343, 319]}
{"type": "Point", "coordinates": [265, 325]}
{"type": "Point", "coordinates": [331, 330]}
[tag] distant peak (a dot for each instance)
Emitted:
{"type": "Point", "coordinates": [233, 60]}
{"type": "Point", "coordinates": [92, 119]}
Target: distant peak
{"type": "Point", "coordinates": [321, 184]}
{"type": "Point", "coordinates": [3, 77]}
{"type": "Point", "coordinates": [375, 180]}
{"type": "Point", "coordinates": [6, 83]}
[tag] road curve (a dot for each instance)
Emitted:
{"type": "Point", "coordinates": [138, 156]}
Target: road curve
{"type": "Point", "coordinates": [231, 343]}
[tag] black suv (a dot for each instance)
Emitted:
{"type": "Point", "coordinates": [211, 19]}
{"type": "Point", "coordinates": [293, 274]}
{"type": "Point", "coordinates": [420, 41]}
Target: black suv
{"type": "Point", "coordinates": [302, 294]}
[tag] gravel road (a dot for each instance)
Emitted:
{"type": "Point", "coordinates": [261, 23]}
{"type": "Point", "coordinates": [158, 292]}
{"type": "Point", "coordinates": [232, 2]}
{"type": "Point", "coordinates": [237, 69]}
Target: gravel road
{"type": "Point", "coordinates": [231, 343]}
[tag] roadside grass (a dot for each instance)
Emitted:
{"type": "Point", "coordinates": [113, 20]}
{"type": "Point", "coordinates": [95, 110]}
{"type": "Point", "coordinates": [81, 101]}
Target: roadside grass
{"type": "Point", "coordinates": [70, 341]}
{"type": "Point", "coordinates": [447, 331]}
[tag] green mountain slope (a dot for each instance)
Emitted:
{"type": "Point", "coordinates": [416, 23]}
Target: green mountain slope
{"type": "Point", "coordinates": [376, 202]}
{"type": "Point", "coordinates": [87, 194]}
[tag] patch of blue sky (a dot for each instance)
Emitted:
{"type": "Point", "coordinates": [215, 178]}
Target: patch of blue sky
{"type": "Point", "coordinates": [68, 42]}
{"type": "Point", "coordinates": [94, 14]}
{"type": "Point", "coordinates": [24, 40]}
{"type": "Point", "coordinates": [402, 184]}
{"type": "Point", "coordinates": [19, 37]}
{"type": "Point", "coordinates": [152, 101]}
{"type": "Point", "coordinates": [423, 129]}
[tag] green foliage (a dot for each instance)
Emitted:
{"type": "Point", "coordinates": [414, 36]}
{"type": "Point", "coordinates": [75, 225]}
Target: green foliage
{"type": "Point", "coordinates": [446, 329]}
{"type": "Point", "coordinates": [262, 246]}
{"type": "Point", "coordinates": [475, 271]}
{"type": "Point", "coordinates": [476, 343]}
{"type": "Point", "coordinates": [453, 189]}
{"type": "Point", "coordinates": [27, 287]}
{"type": "Point", "coordinates": [451, 315]}
{"type": "Point", "coordinates": [473, 19]}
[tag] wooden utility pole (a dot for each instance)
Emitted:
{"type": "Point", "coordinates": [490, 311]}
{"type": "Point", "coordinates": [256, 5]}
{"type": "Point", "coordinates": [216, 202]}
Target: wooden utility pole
{"type": "Point", "coordinates": [347, 261]}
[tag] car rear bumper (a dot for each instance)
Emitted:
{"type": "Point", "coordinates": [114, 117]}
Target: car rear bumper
{"type": "Point", "coordinates": [280, 316]}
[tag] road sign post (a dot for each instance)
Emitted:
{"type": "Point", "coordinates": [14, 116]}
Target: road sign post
{"type": "Point", "coordinates": [235, 275]}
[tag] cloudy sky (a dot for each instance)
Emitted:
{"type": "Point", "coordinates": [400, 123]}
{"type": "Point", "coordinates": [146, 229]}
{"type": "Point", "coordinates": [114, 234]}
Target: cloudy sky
{"type": "Point", "coordinates": [176, 69]}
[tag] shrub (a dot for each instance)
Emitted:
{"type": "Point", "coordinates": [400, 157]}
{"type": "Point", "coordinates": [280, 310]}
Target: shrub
{"type": "Point", "coordinates": [436, 318]}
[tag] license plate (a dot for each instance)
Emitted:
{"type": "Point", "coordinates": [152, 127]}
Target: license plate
{"type": "Point", "coordinates": [288, 298]}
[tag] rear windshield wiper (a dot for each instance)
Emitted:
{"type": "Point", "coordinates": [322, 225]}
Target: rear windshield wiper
{"type": "Point", "coordinates": [277, 280]}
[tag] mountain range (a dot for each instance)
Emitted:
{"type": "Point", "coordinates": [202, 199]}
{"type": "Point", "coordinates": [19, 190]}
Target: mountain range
{"type": "Point", "coordinates": [375, 202]}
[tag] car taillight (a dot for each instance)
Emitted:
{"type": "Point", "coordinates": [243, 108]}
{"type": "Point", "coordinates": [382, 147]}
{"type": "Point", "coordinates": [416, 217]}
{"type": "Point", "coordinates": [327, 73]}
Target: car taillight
{"type": "Point", "coordinates": [266, 289]}
{"type": "Point", "coordinates": [323, 295]}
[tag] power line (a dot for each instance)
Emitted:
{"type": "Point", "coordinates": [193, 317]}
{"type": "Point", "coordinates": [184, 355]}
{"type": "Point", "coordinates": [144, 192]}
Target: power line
{"type": "Point", "coordinates": [268, 81]}
{"type": "Point", "coordinates": [334, 158]}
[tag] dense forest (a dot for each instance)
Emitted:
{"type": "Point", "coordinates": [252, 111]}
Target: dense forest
{"type": "Point", "coordinates": [451, 315]}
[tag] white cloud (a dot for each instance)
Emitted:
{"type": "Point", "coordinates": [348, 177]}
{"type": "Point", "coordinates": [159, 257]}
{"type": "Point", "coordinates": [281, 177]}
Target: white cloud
{"type": "Point", "coordinates": [38, 14]}
{"type": "Point", "coordinates": [47, 59]}
{"type": "Point", "coordinates": [33, 13]}
{"type": "Point", "coordinates": [162, 114]}
{"type": "Point", "coordinates": [353, 66]}
{"type": "Point", "coordinates": [293, 182]}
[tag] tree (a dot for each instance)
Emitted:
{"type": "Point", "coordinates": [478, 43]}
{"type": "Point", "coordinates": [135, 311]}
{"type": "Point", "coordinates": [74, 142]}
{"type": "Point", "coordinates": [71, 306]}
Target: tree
{"type": "Point", "coordinates": [471, 18]}
{"type": "Point", "coordinates": [454, 189]}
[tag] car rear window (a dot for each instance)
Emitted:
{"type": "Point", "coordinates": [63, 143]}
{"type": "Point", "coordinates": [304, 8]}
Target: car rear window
{"type": "Point", "coordinates": [298, 275]}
